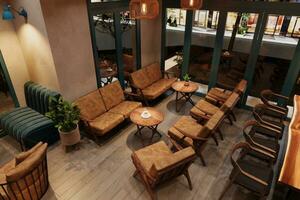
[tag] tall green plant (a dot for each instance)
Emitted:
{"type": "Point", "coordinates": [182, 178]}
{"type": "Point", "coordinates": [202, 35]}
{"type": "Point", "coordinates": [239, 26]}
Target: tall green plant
{"type": "Point", "coordinates": [64, 114]}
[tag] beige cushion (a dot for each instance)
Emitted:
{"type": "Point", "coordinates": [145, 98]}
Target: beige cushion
{"type": "Point", "coordinates": [153, 72]}
{"type": "Point", "coordinates": [125, 108]}
{"type": "Point", "coordinates": [148, 155]}
{"type": "Point", "coordinates": [158, 88]}
{"type": "Point", "coordinates": [176, 135]}
{"type": "Point", "coordinates": [219, 94]}
{"type": "Point", "coordinates": [187, 124]}
{"type": "Point", "coordinates": [241, 87]}
{"type": "Point", "coordinates": [22, 156]}
{"type": "Point", "coordinates": [203, 108]}
{"type": "Point", "coordinates": [91, 105]}
{"type": "Point", "coordinates": [112, 94]}
{"type": "Point", "coordinates": [106, 122]}
{"type": "Point", "coordinates": [215, 120]}
{"type": "Point", "coordinates": [140, 79]}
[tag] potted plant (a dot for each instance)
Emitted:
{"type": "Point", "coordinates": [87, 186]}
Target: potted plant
{"type": "Point", "coordinates": [187, 79]}
{"type": "Point", "coordinates": [66, 117]}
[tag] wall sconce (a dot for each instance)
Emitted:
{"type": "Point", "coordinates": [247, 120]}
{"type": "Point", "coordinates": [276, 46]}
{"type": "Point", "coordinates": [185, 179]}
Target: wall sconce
{"type": "Point", "coordinates": [144, 9]}
{"type": "Point", "coordinates": [191, 4]}
{"type": "Point", "coordinates": [8, 14]}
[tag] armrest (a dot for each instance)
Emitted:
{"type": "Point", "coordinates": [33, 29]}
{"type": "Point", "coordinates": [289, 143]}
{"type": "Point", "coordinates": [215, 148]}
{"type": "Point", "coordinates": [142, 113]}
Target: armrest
{"type": "Point", "coordinates": [253, 177]}
{"type": "Point", "coordinates": [180, 157]}
{"type": "Point", "coordinates": [191, 136]}
{"type": "Point", "coordinates": [130, 95]}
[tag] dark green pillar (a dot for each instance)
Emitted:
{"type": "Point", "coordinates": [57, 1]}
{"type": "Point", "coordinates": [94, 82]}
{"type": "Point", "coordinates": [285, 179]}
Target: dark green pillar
{"type": "Point", "coordinates": [119, 47]}
{"type": "Point", "coordinates": [218, 47]}
{"type": "Point", "coordinates": [187, 42]}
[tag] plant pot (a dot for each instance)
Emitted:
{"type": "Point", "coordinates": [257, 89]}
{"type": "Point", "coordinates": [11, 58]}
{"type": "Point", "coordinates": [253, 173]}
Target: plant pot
{"type": "Point", "coordinates": [186, 83]}
{"type": "Point", "coordinates": [70, 138]}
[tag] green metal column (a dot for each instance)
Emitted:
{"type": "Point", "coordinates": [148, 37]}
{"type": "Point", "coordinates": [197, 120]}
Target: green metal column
{"type": "Point", "coordinates": [163, 35]}
{"type": "Point", "coordinates": [119, 47]}
{"type": "Point", "coordinates": [138, 43]}
{"type": "Point", "coordinates": [255, 48]}
{"type": "Point", "coordinates": [218, 47]}
{"type": "Point", "coordinates": [293, 73]}
{"type": "Point", "coordinates": [8, 81]}
{"type": "Point", "coordinates": [187, 42]}
{"type": "Point", "coordinates": [94, 43]}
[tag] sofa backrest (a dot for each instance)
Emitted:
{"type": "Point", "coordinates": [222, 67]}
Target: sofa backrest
{"type": "Point", "coordinates": [140, 79]}
{"type": "Point", "coordinates": [112, 94]}
{"type": "Point", "coordinates": [241, 87]}
{"type": "Point", "coordinates": [91, 105]}
{"type": "Point", "coordinates": [154, 72]}
{"type": "Point", "coordinates": [37, 96]}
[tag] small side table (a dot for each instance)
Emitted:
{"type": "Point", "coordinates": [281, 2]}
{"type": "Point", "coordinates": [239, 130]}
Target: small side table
{"type": "Point", "coordinates": [151, 122]}
{"type": "Point", "coordinates": [186, 89]}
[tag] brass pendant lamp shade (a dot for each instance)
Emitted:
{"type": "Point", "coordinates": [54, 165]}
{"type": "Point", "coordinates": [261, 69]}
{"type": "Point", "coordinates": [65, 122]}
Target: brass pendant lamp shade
{"type": "Point", "coordinates": [144, 9]}
{"type": "Point", "coordinates": [191, 4]}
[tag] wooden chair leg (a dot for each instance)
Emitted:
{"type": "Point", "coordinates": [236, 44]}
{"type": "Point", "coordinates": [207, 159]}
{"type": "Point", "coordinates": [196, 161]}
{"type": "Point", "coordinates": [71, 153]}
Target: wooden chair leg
{"type": "Point", "coordinates": [225, 189]}
{"type": "Point", "coordinates": [201, 158]}
{"type": "Point", "coordinates": [215, 139]}
{"type": "Point", "coordinates": [230, 120]}
{"type": "Point", "coordinates": [233, 115]}
{"type": "Point", "coordinates": [220, 134]}
{"type": "Point", "coordinates": [187, 175]}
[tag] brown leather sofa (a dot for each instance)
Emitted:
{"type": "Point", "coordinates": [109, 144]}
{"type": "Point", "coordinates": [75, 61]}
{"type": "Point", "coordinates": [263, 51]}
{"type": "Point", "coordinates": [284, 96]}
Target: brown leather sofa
{"type": "Point", "coordinates": [105, 108]}
{"type": "Point", "coordinates": [149, 82]}
{"type": "Point", "coordinates": [26, 176]}
{"type": "Point", "coordinates": [156, 164]}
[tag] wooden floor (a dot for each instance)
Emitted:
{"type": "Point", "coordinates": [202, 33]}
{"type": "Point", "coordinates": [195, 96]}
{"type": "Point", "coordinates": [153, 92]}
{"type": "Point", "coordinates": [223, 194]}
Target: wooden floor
{"type": "Point", "coordinates": [105, 172]}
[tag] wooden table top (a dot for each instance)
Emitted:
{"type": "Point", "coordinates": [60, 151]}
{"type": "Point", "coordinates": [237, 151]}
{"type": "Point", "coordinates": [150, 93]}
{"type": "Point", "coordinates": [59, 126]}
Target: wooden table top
{"type": "Point", "coordinates": [155, 119]}
{"type": "Point", "coordinates": [180, 86]}
{"type": "Point", "coordinates": [290, 171]}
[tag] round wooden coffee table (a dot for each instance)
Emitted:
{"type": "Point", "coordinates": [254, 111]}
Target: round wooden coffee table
{"type": "Point", "coordinates": [186, 89]}
{"type": "Point", "coordinates": [152, 122]}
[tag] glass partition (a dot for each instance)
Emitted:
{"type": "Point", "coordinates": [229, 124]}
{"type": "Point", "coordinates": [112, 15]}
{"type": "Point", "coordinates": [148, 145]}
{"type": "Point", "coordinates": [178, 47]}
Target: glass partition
{"type": "Point", "coordinates": [238, 38]}
{"type": "Point", "coordinates": [175, 29]}
{"type": "Point", "coordinates": [128, 44]}
{"type": "Point", "coordinates": [203, 38]}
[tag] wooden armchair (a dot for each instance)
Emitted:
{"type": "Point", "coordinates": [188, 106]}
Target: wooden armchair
{"type": "Point", "coordinates": [266, 148]}
{"type": "Point", "coordinates": [253, 176]}
{"type": "Point", "coordinates": [188, 132]}
{"type": "Point", "coordinates": [265, 121]}
{"type": "Point", "coordinates": [26, 176]}
{"type": "Point", "coordinates": [156, 164]}
{"type": "Point", "coordinates": [269, 99]}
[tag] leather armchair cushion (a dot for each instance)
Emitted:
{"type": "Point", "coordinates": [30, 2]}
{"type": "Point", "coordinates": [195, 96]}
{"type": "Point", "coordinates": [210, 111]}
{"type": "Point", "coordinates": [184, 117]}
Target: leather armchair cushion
{"type": "Point", "coordinates": [112, 94]}
{"type": "Point", "coordinates": [154, 72]}
{"type": "Point", "coordinates": [91, 105]}
{"type": "Point", "coordinates": [27, 165]}
{"type": "Point", "coordinates": [215, 120]}
{"type": "Point", "coordinates": [219, 93]}
{"type": "Point", "coordinates": [125, 108]}
{"type": "Point", "coordinates": [187, 124]}
{"type": "Point", "coordinates": [140, 79]}
{"type": "Point", "coordinates": [241, 87]}
{"type": "Point", "coordinates": [150, 154]}
{"type": "Point", "coordinates": [204, 108]}
{"type": "Point", "coordinates": [176, 135]}
{"type": "Point", "coordinates": [106, 122]}
{"type": "Point", "coordinates": [23, 155]}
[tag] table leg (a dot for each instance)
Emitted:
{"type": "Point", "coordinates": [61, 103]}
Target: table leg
{"type": "Point", "coordinates": [154, 131]}
{"type": "Point", "coordinates": [139, 130]}
{"type": "Point", "coordinates": [186, 96]}
{"type": "Point", "coordinates": [176, 102]}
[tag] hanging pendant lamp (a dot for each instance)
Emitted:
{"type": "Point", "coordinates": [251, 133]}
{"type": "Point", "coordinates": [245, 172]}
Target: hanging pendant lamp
{"type": "Point", "coordinates": [144, 9]}
{"type": "Point", "coordinates": [191, 4]}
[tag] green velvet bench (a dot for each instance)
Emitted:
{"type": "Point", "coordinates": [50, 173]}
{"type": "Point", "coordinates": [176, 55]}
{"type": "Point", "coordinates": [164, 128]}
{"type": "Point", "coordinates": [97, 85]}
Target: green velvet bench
{"type": "Point", "coordinates": [29, 125]}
